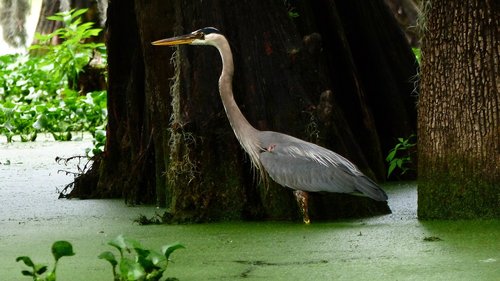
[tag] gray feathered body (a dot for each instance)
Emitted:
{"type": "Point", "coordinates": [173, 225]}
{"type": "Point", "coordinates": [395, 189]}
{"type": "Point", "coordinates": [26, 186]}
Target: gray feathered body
{"type": "Point", "coordinates": [302, 165]}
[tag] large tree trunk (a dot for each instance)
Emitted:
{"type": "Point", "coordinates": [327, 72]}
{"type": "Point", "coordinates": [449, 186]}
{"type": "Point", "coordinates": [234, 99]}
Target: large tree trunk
{"type": "Point", "coordinates": [169, 139]}
{"type": "Point", "coordinates": [459, 116]}
{"type": "Point", "coordinates": [13, 16]}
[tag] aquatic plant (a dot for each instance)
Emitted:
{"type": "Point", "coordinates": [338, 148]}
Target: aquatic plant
{"type": "Point", "coordinates": [39, 271]}
{"type": "Point", "coordinates": [43, 93]}
{"type": "Point", "coordinates": [137, 262]}
{"type": "Point", "coordinates": [66, 60]}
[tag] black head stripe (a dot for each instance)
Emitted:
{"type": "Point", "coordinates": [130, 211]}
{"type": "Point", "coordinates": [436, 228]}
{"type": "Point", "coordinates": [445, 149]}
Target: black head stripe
{"type": "Point", "coordinates": [208, 30]}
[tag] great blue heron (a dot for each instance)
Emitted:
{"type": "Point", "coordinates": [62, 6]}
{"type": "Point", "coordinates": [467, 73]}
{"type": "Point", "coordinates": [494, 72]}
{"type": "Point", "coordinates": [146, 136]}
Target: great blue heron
{"type": "Point", "coordinates": [289, 161]}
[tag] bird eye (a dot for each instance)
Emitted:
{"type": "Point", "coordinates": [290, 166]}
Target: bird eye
{"type": "Point", "coordinates": [199, 35]}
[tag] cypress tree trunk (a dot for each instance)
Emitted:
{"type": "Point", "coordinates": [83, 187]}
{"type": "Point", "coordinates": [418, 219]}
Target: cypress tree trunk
{"type": "Point", "coordinates": [459, 117]}
{"type": "Point", "coordinates": [12, 19]}
{"type": "Point", "coordinates": [169, 140]}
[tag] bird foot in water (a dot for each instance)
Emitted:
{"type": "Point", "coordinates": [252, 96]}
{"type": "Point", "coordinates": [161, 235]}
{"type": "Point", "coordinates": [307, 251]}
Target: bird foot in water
{"type": "Point", "coordinates": [302, 200]}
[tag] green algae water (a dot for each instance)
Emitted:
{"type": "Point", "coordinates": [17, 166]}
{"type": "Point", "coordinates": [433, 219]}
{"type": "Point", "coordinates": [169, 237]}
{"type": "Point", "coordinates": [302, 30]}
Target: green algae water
{"type": "Point", "coordinates": [396, 246]}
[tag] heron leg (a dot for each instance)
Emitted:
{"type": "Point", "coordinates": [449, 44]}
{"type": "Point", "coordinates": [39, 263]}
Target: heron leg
{"type": "Point", "coordinates": [302, 199]}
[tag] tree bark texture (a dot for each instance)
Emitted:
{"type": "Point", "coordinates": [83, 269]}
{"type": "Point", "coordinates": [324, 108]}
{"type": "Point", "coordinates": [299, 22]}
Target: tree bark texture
{"type": "Point", "coordinates": [310, 77]}
{"type": "Point", "coordinates": [12, 19]}
{"type": "Point", "coordinates": [459, 116]}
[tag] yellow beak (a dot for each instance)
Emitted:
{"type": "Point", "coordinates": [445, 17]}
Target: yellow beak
{"type": "Point", "coordinates": [178, 40]}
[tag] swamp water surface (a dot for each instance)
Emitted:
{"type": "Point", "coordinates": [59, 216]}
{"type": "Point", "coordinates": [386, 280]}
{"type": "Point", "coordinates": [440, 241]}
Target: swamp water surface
{"type": "Point", "coordinates": [390, 247]}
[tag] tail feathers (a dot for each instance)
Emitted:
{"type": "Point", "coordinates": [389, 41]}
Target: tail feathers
{"type": "Point", "coordinates": [369, 188]}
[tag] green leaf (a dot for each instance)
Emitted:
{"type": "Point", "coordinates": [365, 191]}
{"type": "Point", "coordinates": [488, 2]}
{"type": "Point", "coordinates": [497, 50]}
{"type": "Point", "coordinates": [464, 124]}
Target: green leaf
{"type": "Point", "coordinates": [27, 261]}
{"type": "Point", "coordinates": [142, 252]}
{"type": "Point", "coordinates": [392, 166]}
{"type": "Point", "coordinates": [55, 18]}
{"type": "Point", "coordinates": [62, 249]}
{"type": "Point", "coordinates": [41, 122]}
{"type": "Point", "coordinates": [398, 146]}
{"type": "Point", "coordinates": [122, 243]}
{"type": "Point", "coordinates": [408, 145]}
{"type": "Point", "coordinates": [51, 276]}
{"type": "Point", "coordinates": [27, 273]}
{"type": "Point", "coordinates": [110, 257]}
{"type": "Point", "coordinates": [156, 258]}
{"type": "Point", "coordinates": [418, 54]}
{"type": "Point", "coordinates": [79, 12]}
{"type": "Point", "coordinates": [146, 264]}
{"type": "Point", "coordinates": [40, 269]}
{"type": "Point", "coordinates": [167, 250]}
{"type": "Point", "coordinates": [391, 155]}
{"type": "Point", "coordinates": [118, 243]}
{"type": "Point", "coordinates": [86, 27]}
{"type": "Point", "coordinates": [131, 269]}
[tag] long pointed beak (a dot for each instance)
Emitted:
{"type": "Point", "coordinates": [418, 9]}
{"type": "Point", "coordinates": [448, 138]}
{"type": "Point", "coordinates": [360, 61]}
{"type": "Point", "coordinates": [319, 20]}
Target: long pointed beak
{"type": "Point", "coordinates": [178, 40]}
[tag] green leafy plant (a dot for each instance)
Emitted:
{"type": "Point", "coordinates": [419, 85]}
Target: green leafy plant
{"type": "Point", "coordinates": [22, 79]}
{"type": "Point", "coordinates": [292, 10]}
{"type": "Point", "coordinates": [39, 271]}
{"type": "Point", "coordinates": [418, 54]}
{"type": "Point", "coordinates": [15, 119]}
{"type": "Point", "coordinates": [400, 157]}
{"type": "Point", "coordinates": [37, 93]}
{"type": "Point", "coordinates": [29, 106]}
{"type": "Point", "coordinates": [67, 59]}
{"type": "Point", "coordinates": [99, 143]}
{"type": "Point", "coordinates": [136, 262]}
{"type": "Point", "coordinates": [73, 113]}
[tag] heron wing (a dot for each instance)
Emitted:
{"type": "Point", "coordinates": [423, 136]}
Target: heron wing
{"type": "Point", "coordinates": [305, 166]}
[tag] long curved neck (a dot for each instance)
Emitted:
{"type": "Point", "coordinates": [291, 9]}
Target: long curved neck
{"type": "Point", "coordinates": [238, 121]}
{"type": "Point", "coordinates": [245, 133]}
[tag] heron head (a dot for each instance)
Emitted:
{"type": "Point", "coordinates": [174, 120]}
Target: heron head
{"type": "Point", "coordinates": [204, 36]}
